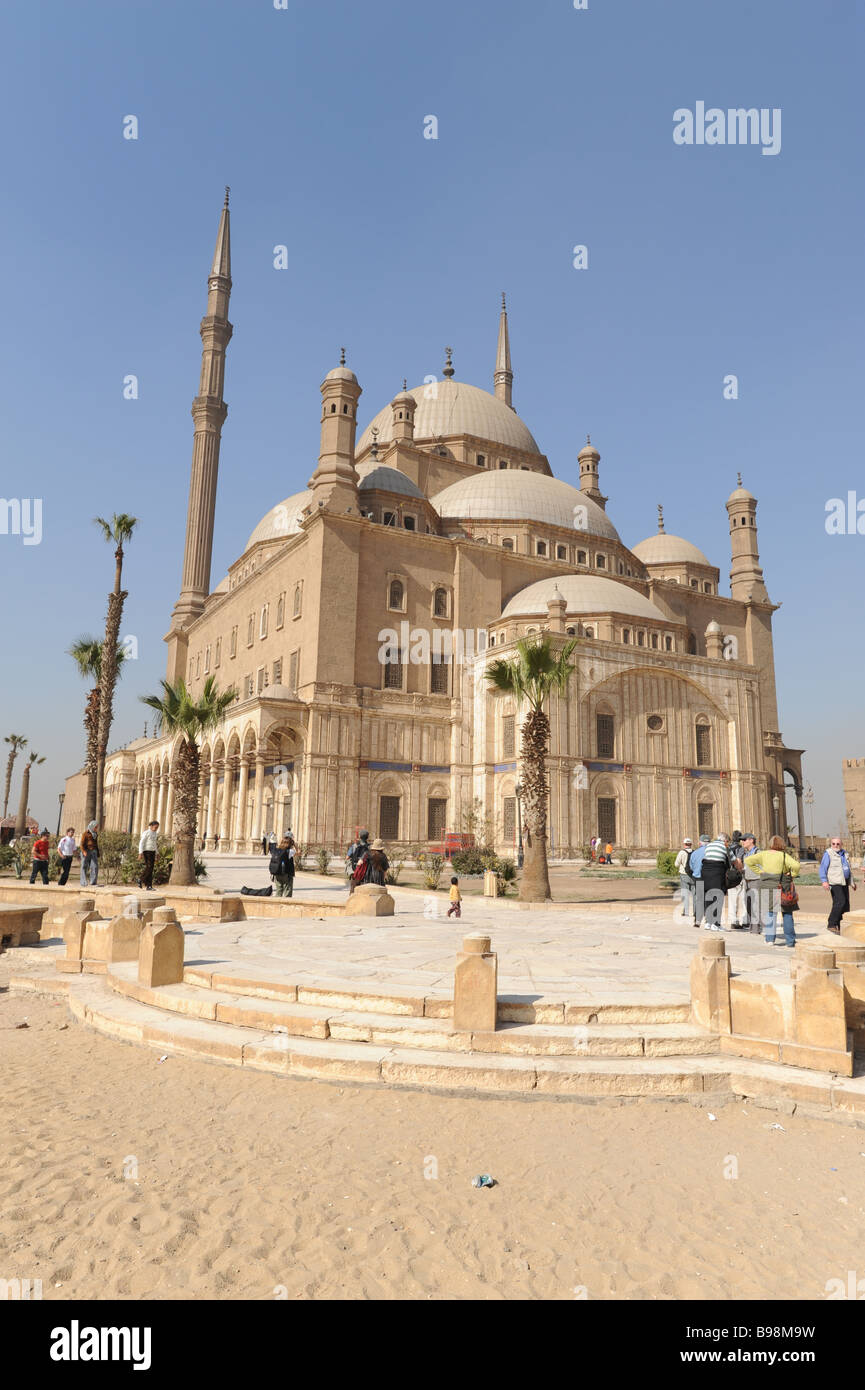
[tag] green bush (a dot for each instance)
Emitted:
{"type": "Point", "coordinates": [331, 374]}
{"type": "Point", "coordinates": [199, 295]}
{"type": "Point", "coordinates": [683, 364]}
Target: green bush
{"type": "Point", "coordinates": [506, 876]}
{"type": "Point", "coordinates": [322, 859]}
{"type": "Point", "coordinates": [131, 866]}
{"type": "Point", "coordinates": [473, 861]}
{"type": "Point", "coordinates": [586, 852]}
{"type": "Point", "coordinates": [432, 867]}
{"type": "Point", "coordinates": [624, 856]}
{"type": "Point", "coordinates": [396, 867]}
{"type": "Point", "coordinates": [666, 862]}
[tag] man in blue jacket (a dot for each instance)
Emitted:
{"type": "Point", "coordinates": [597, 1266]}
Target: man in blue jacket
{"type": "Point", "coordinates": [697, 875]}
{"type": "Point", "coordinates": [837, 878]}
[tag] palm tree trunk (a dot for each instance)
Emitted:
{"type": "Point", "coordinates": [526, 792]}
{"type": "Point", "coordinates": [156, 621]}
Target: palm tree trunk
{"type": "Point", "coordinates": [91, 725]}
{"type": "Point", "coordinates": [185, 771]}
{"type": "Point", "coordinates": [10, 763]}
{"type": "Point", "coordinates": [21, 822]}
{"type": "Point", "coordinates": [535, 882]}
{"type": "Point", "coordinates": [108, 682]}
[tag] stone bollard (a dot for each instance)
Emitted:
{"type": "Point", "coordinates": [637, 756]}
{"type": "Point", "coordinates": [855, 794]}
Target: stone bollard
{"type": "Point", "coordinates": [74, 927]}
{"type": "Point", "coordinates": [124, 932]}
{"type": "Point", "coordinates": [475, 986]}
{"type": "Point", "coordinates": [491, 884]}
{"type": "Point", "coordinates": [370, 900]}
{"type": "Point", "coordinates": [820, 1019]}
{"type": "Point", "coordinates": [160, 956]}
{"type": "Point", "coordinates": [710, 985]}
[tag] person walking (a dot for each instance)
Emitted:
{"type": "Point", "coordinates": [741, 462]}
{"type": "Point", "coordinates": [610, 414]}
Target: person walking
{"type": "Point", "coordinates": [272, 842]}
{"type": "Point", "coordinates": [686, 882]}
{"type": "Point", "coordinates": [66, 849]}
{"type": "Point", "coordinates": [41, 853]}
{"type": "Point", "coordinates": [90, 856]}
{"type": "Point", "coordinates": [837, 878]}
{"type": "Point", "coordinates": [717, 869]}
{"type": "Point", "coordinates": [264, 843]}
{"type": "Point", "coordinates": [147, 847]}
{"type": "Point", "coordinates": [777, 869]}
{"type": "Point", "coordinates": [284, 862]}
{"type": "Point", "coordinates": [455, 909]}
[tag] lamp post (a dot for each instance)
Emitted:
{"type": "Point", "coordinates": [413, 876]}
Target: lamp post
{"type": "Point", "coordinates": [776, 807]}
{"type": "Point", "coordinates": [61, 797]}
{"type": "Point", "coordinates": [518, 792]}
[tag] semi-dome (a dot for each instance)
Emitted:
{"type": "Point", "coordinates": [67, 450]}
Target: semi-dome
{"type": "Point", "coordinates": [447, 408]}
{"type": "Point", "coordinates": [282, 520]}
{"type": "Point", "coordinates": [374, 475]}
{"type": "Point", "coordinates": [583, 594]}
{"type": "Point", "coordinates": [663, 549]}
{"type": "Point", "coordinates": [516, 494]}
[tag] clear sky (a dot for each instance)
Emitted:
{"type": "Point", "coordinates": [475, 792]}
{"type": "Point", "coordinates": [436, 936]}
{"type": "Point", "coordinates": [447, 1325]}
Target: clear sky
{"type": "Point", "coordinates": [555, 128]}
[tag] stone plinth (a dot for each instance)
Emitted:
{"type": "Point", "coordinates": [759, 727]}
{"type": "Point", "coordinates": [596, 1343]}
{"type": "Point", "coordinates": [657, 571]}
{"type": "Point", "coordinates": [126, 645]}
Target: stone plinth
{"type": "Point", "coordinates": [710, 986]}
{"type": "Point", "coordinates": [74, 931]}
{"type": "Point", "coordinates": [124, 932]}
{"type": "Point", "coordinates": [160, 956]}
{"type": "Point", "coordinates": [20, 925]}
{"type": "Point", "coordinates": [475, 986]}
{"type": "Point", "coordinates": [370, 900]}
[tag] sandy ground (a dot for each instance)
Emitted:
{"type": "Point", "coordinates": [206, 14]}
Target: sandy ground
{"type": "Point", "coordinates": [250, 1186]}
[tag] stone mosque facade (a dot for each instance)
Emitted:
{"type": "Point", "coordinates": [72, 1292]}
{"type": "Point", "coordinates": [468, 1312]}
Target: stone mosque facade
{"type": "Point", "coordinates": [360, 615]}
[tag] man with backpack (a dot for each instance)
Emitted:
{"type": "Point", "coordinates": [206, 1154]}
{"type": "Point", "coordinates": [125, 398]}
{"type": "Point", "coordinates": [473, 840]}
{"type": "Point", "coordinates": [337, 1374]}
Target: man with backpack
{"type": "Point", "coordinates": [355, 855]}
{"type": "Point", "coordinates": [683, 869]}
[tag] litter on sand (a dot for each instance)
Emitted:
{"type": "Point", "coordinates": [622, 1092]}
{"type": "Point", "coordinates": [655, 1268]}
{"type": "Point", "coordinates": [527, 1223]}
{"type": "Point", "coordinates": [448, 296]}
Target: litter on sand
{"type": "Point", "coordinates": [163, 1058]}
{"type": "Point", "coordinates": [483, 1180]}
{"type": "Point", "coordinates": [712, 1117]}
{"type": "Point", "coordinates": [777, 1127]}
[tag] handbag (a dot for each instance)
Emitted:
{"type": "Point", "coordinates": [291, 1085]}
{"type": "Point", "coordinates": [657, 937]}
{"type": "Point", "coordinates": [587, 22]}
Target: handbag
{"type": "Point", "coordinates": [733, 877]}
{"type": "Point", "coordinates": [789, 896]}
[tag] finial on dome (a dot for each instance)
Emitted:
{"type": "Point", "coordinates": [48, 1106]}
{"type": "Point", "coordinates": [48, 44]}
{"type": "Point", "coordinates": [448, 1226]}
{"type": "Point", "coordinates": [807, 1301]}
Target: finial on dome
{"type": "Point", "coordinates": [404, 384]}
{"type": "Point", "coordinates": [739, 480]}
{"type": "Point", "coordinates": [227, 191]}
{"type": "Point", "coordinates": [342, 357]}
{"type": "Point", "coordinates": [448, 368]}
{"type": "Point", "coordinates": [660, 519]}
{"type": "Point", "coordinates": [504, 303]}
{"type": "Point", "coordinates": [374, 447]}
{"type": "Point", "coordinates": [588, 439]}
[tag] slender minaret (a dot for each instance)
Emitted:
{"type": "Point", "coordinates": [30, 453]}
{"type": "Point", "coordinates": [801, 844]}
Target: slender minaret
{"type": "Point", "coordinates": [503, 377]}
{"type": "Point", "coordinates": [589, 459]}
{"type": "Point", "coordinates": [208, 412]}
{"type": "Point", "coordinates": [334, 482]}
{"type": "Point", "coordinates": [746, 576]}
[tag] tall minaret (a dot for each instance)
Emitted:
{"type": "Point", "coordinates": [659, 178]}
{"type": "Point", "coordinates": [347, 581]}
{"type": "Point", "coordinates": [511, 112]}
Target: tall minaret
{"type": "Point", "coordinates": [503, 377]}
{"type": "Point", "coordinates": [746, 576]}
{"type": "Point", "coordinates": [208, 412]}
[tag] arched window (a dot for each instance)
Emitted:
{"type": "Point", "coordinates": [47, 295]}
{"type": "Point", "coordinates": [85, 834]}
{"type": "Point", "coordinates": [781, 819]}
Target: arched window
{"type": "Point", "coordinates": [561, 552]}
{"type": "Point", "coordinates": [262, 622]}
{"type": "Point", "coordinates": [298, 600]}
{"type": "Point", "coordinates": [668, 644]}
{"type": "Point", "coordinates": [250, 630]}
{"type": "Point", "coordinates": [605, 731]}
{"type": "Point", "coordinates": [395, 594]}
{"type": "Point", "coordinates": [655, 640]}
{"type": "Point", "coordinates": [600, 562]}
{"type": "Point", "coordinates": [582, 558]}
{"type": "Point", "coordinates": [440, 603]}
{"type": "Point", "coordinates": [280, 611]}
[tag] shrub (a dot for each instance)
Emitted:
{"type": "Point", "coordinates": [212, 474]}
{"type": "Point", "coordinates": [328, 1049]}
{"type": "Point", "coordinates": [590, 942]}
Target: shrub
{"type": "Point", "coordinates": [393, 873]}
{"type": "Point", "coordinates": [322, 859]}
{"type": "Point", "coordinates": [506, 876]}
{"type": "Point", "coordinates": [586, 852]}
{"type": "Point", "coordinates": [469, 862]}
{"type": "Point", "coordinates": [129, 870]}
{"type": "Point", "coordinates": [431, 866]}
{"type": "Point", "coordinates": [625, 856]}
{"type": "Point", "coordinates": [666, 862]}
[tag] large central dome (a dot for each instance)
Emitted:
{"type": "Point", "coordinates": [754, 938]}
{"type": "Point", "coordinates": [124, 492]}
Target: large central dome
{"type": "Point", "coordinates": [514, 494]}
{"type": "Point", "coordinates": [446, 408]}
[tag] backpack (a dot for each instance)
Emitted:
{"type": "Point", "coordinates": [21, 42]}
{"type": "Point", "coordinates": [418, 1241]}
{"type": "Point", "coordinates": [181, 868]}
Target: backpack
{"type": "Point", "coordinates": [275, 865]}
{"type": "Point", "coordinates": [356, 853]}
{"type": "Point", "coordinates": [688, 864]}
{"type": "Point", "coordinates": [360, 868]}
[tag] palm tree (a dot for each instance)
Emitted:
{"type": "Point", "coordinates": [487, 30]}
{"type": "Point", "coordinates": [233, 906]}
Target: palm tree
{"type": "Point", "coordinates": [16, 742]}
{"type": "Point", "coordinates": [118, 532]}
{"type": "Point", "coordinates": [530, 677]}
{"type": "Point", "coordinates": [21, 823]}
{"type": "Point", "coordinates": [86, 652]}
{"type": "Point", "coordinates": [178, 714]}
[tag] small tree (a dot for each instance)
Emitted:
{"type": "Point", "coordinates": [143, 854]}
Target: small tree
{"type": "Point", "coordinates": [530, 678]}
{"type": "Point", "coordinates": [86, 652]}
{"type": "Point", "coordinates": [179, 715]}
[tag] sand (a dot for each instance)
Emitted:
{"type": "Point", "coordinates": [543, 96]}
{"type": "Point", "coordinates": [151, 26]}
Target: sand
{"type": "Point", "coordinates": [255, 1187]}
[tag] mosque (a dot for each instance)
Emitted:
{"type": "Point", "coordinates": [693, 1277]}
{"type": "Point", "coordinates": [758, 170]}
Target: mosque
{"type": "Point", "coordinates": [359, 616]}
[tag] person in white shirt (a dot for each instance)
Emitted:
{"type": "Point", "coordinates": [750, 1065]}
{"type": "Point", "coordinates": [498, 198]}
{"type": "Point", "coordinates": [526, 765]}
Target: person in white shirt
{"type": "Point", "coordinates": [685, 879]}
{"type": "Point", "coordinates": [147, 847]}
{"type": "Point", "coordinates": [66, 849]}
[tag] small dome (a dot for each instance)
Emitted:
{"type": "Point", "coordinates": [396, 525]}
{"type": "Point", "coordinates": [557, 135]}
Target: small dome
{"type": "Point", "coordinates": [583, 594]}
{"type": "Point", "coordinates": [741, 494]}
{"type": "Point", "coordinates": [447, 408]}
{"type": "Point", "coordinates": [277, 692]}
{"type": "Point", "coordinates": [664, 549]}
{"type": "Point", "coordinates": [281, 521]}
{"type": "Point", "coordinates": [405, 398]}
{"type": "Point", "coordinates": [341, 374]}
{"type": "Point", "coordinates": [514, 494]}
{"type": "Point", "coordinates": [376, 475]}
{"type": "Point", "coordinates": [588, 450]}
{"type": "Point", "coordinates": [713, 627]}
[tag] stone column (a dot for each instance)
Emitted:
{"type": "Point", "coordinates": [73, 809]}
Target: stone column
{"type": "Point", "coordinates": [255, 832]}
{"type": "Point", "coordinates": [159, 813]}
{"type": "Point", "coordinates": [710, 986]}
{"type": "Point", "coordinates": [475, 985]}
{"type": "Point", "coordinates": [225, 818]}
{"type": "Point", "coordinates": [166, 825]}
{"type": "Point", "coordinates": [240, 817]}
{"type": "Point", "coordinates": [211, 805]}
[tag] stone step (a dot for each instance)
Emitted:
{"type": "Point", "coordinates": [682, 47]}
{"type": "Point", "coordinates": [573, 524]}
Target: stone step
{"type": "Point", "coordinates": [92, 1001]}
{"type": "Point", "coordinates": [407, 1002]}
{"type": "Point", "coordinates": [515, 1039]}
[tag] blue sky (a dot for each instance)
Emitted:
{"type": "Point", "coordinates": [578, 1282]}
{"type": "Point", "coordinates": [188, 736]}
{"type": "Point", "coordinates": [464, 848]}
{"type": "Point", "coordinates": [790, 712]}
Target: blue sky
{"type": "Point", "coordinates": [555, 129]}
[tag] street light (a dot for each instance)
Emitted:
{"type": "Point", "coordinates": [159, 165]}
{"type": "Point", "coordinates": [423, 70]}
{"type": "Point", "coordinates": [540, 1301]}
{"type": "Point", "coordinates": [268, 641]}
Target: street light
{"type": "Point", "coordinates": [61, 797]}
{"type": "Point", "coordinates": [776, 806]}
{"type": "Point", "coordinates": [519, 791]}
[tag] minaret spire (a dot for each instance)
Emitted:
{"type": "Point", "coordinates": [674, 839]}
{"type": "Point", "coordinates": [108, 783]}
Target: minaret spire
{"type": "Point", "coordinates": [503, 376]}
{"type": "Point", "coordinates": [208, 413]}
